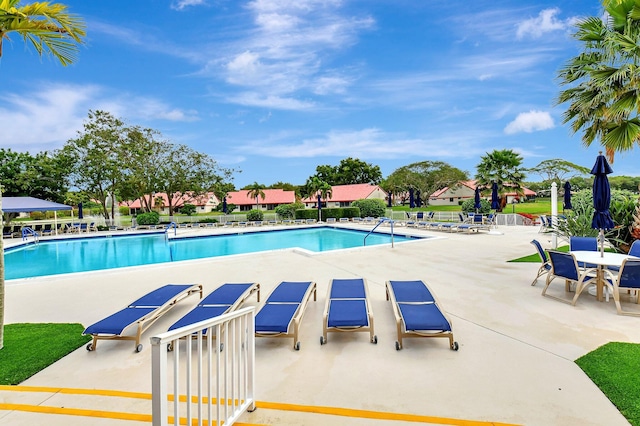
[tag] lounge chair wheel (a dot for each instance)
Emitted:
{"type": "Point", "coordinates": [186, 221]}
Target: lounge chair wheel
{"type": "Point", "coordinates": [297, 346]}
{"type": "Point", "coordinates": [139, 347]}
{"type": "Point", "coordinates": [455, 346]}
{"type": "Point", "coordinates": [375, 340]}
{"type": "Point", "coordinates": [90, 347]}
{"type": "Point", "coordinates": [398, 347]}
{"type": "Point", "coordinates": [322, 340]}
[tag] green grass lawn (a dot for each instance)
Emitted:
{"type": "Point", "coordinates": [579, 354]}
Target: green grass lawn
{"type": "Point", "coordinates": [29, 348]}
{"type": "Point", "coordinates": [614, 369]}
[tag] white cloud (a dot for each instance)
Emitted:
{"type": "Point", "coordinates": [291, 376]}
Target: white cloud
{"type": "Point", "coordinates": [270, 101]}
{"type": "Point", "coordinates": [52, 114]}
{"type": "Point", "coordinates": [545, 22]}
{"type": "Point", "coordinates": [289, 44]}
{"type": "Point", "coordinates": [531, 121]}
{"type": "Point", "coordinates": [371, 143]}
{"type": "Point", "coordinates": [182, 4]}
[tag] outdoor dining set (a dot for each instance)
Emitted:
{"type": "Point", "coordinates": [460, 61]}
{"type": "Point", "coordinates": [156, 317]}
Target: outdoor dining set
{"type": "Point", "coordinates": [586, 267]}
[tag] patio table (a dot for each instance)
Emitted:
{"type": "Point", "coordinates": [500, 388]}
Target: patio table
{"type": "Point", "coordinates": [601, 260]}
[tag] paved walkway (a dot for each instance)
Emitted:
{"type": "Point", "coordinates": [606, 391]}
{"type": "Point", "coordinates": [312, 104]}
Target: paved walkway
{"type": "Point", "coordinates": [515, 364]}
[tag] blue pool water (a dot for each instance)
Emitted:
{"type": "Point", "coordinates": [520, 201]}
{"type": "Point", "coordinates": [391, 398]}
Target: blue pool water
{"type": "Point", "coordinates": [92, 254]}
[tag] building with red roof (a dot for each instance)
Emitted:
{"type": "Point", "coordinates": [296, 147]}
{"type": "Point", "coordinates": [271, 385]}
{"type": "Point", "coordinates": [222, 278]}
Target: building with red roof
{"type": "Point", "coordinates": [272, 199]}
{"type": "Point", "coordinates": [344, 195]}
{"type": "Point", "coordinates": [160, 202]}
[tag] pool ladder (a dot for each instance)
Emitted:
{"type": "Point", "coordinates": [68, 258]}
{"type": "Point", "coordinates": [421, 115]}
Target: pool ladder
{"type": "Point", "coordinates": [26, 231]}
{"type": "Point", "coordinates": [166, 231]}
{"type": "Point", "coordinates": [380, 222]}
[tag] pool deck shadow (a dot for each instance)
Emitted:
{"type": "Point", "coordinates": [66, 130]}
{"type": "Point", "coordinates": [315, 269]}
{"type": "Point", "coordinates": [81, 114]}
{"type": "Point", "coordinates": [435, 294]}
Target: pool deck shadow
{"type": "Point", "coordinates": [515, 363]}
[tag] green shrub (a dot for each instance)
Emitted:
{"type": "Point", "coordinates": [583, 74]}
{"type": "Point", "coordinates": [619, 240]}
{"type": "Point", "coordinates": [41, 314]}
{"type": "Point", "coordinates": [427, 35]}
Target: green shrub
{"type": "Point", "coordinates": [578, 220]}
{"type": "Point", "coordinates": [37, 215]}
{"type": "Point", "coordinates": [208, 220]}
{"type": "Point", "coordinates": [151, 218]}
{"type": "Point", "coordinates": [188, 209]}
{"type": "Point", "coordinates": [468, 206]}
{"type": "Point", "coordinates": [255, 214]}
{"type": "Point", "coordinates": [334, 212]}
{"type": "Point", "coordinates": [370, 208]}
{"type": "Point", "coordinates": [124, 210]}
{"type": "Point", "coordinates": [350, 212]}
{"type": "Point", "coordinates": [306, 214]}
{"type": "Point", "coordinates": [288, 211]}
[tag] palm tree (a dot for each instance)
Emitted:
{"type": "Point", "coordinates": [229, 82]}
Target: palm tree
{"type": "Point", "coordinates": [504, 168]}
{"type": "Point", "coordinates": [319, 188]}
{"type": "Point", "coordinates": [604, 80]}
{"type": "Point", "coordinates": [255, 191]}
{"type": "Point", "coordinates": [49, 27]}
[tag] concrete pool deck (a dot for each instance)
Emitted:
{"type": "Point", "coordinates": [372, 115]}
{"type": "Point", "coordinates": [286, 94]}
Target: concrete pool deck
{"type": "Point", "coordinates": [515, 364]}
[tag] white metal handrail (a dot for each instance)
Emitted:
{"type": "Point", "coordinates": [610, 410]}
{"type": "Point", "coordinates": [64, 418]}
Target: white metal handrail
{"type": "Point", "coordinates": [226, 385]}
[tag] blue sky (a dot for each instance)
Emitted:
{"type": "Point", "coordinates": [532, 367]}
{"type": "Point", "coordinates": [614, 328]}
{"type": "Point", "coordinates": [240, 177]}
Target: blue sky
{"type": "Point", "coordinates": [276, 87]}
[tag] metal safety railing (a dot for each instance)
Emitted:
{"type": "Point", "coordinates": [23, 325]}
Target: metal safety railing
{"type": "Point", "coordinates": [175, 230]}
{"type": "Point", "coordinates": [380, 222]}
{"type": "Point", "coordinates": [26, 231]}
{"type": "Point", "coordinates": [209, 374]}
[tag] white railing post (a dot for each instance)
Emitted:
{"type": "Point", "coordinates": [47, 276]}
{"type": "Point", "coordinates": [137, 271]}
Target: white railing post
{"type": "Point", "coordinates": [159, 406]}
{"type": "Point", "coordinates": [233, 376]}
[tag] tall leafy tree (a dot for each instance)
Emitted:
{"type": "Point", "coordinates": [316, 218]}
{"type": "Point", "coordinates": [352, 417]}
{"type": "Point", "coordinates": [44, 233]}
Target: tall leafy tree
{"type": "Point", "coordinates": [349, 171]}
{"type": "Point", "coordinates": [603, 93]}
{"type": "Point", "coordinates": [49, 28]}
{"type": "Point", "coordinates": [502, 167]}
{"type": "Point", "coordinates": [256, 190]}
{"type": "Point", "coordinates": [424, 176]}
{"type": "Point", "coordinates": [98, 169]}
{"type": "Point", "coordinates": [180, 170]}
{"type": "Point", "coordinates": [558, 170]}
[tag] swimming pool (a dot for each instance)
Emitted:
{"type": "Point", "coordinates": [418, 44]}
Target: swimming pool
{"type": "Point", "coordinates": [97, 253]}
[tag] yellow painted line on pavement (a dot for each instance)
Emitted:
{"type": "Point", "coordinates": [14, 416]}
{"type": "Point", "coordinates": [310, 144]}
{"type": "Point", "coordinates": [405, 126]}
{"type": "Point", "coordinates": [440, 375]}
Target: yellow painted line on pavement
{"type": "Point", "coordinates": [344, 412]}
{"type": "Point", "coordinates": [378, 415]}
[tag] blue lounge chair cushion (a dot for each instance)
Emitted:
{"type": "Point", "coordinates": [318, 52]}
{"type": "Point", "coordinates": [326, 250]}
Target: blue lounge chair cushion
{"type": "Point", "coordinates": [348, 289]}
{"type": "Point", "coordinates": [114, 324]}
{"type": "Point", "coordinates": [200, 313]}
{"type": "Point", "coordinates": [160, 296]}
{"type": "Point", "coordinates": [411, 291]}
{"type": "Point", "coordinates": [289, 292]}
{"type": "Point", "coordinates": [226, 294]}
{"type": "Point", "coordinates": [348, 313]}
{"type": "Point", "coordinates": [275, 317]}
{"type": "Point", "coordinates": [423, 317]}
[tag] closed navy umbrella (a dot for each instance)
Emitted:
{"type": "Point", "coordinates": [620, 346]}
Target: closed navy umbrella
{"type": "Point", "coordinates": [224, 205]}
{"type": "Point", "coordinates": [495, 198]}
{"type": "Point", "coordinates": [418, 200]}
{"type": "Point", "coordinates": [411, 200]}
{"type": "Point", "coordinates": [80, 213]}
{"type": "Point", "coordinates": [567, 196]}
{"type": "Point", "coordinates": [476, 200]}
{"type": "Point", "coordinates": [601, 198]}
